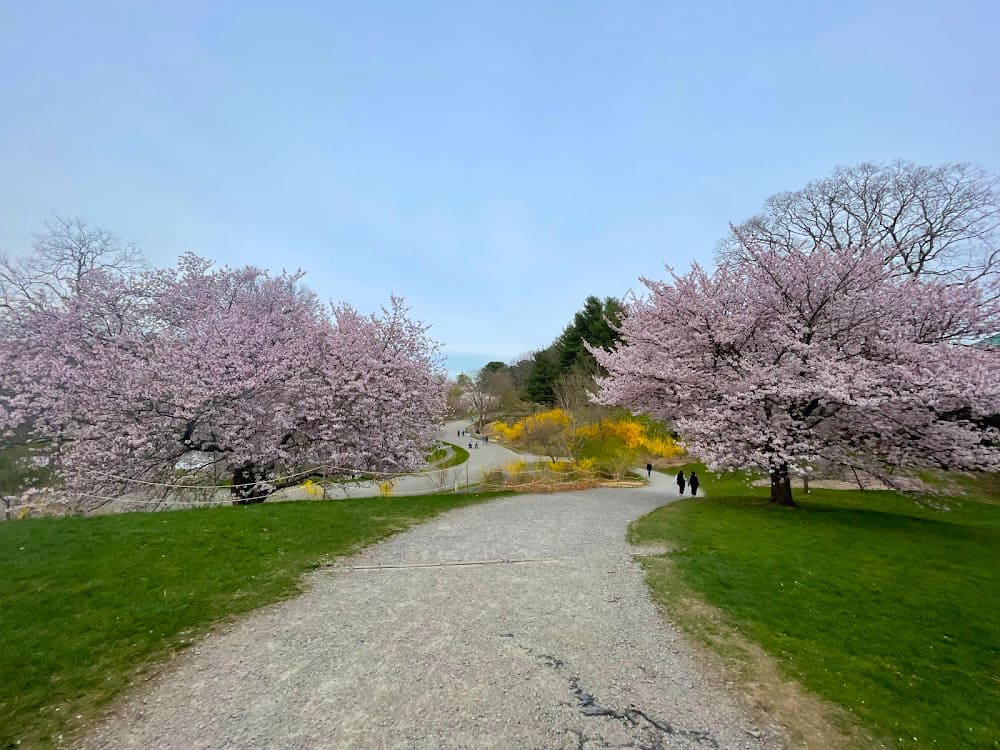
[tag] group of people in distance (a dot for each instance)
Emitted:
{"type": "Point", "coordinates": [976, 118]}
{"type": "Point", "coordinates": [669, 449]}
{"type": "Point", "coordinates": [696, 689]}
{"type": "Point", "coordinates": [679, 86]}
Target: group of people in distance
{"type": "Point", "coordinates": [691, 481]}
{"type": "Point", "coordinates": [484, 438]}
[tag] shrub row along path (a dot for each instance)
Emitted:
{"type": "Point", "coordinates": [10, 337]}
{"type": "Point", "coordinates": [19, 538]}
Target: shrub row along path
{"type": "Point", "coordinates": [425, 641]}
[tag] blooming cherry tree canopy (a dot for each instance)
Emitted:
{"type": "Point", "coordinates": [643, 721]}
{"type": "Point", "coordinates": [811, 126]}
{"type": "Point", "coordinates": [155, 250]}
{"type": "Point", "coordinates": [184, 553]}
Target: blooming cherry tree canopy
{"type": "Point", "coordinates": [779, 360]}
{"type": "Point", "coordinates": [131, 374]}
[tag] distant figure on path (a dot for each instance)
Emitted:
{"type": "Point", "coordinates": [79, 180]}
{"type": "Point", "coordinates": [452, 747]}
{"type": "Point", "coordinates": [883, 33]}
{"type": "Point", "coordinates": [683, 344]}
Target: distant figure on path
{"type": "Point", "coordinates": [649, 470]}
{"type": "Point", "coordinates": [477, 446]}
{"type": "Point", "coordinates": [486, 438]}
{"type": "Point", "coordinates": [693, 481]}
{"type": "Point", "coordinates": [680, 481]}
{"type": "Point", "coordinates": [470, 445]}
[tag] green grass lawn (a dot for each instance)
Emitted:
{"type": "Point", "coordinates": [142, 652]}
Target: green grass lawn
{"type": "Point", "coordinates": [436, 455]}
{"type": "Point", "coordinates": [883, 606]}
{"type": "Point", "coordinates": [87, 604]}
{"type": "Point", "coordinates": [460, 456]}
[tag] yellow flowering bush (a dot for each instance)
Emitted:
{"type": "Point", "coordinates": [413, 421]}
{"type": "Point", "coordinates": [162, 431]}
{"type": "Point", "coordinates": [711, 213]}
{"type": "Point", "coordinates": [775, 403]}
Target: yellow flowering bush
{"type": "Point", "coordinates": [512, 432]}
{"type": "Point", "coordinates": [632, 434]}
{"type": "Point", "coordinates": [313, 489]}
{"type": "Point", "coordinates": [515, 469]}
{"type": "Point", "coordinates": [548, 432]}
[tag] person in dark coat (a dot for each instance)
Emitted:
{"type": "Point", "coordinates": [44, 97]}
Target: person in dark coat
{"type": "Point", "coordinates": [680, 481]}
{"type": "Point", "coordinates": [693, 481]}
{"type": "Point", "coordinates": [649, 470]}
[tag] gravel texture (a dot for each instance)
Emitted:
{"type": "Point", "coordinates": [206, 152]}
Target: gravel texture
{"type": "Point", "coordinates": [400, 647]}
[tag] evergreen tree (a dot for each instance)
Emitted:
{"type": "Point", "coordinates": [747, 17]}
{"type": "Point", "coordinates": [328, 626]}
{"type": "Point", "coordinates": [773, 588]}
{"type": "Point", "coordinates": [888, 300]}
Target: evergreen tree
{"type": "Point", "coordinates": [590, 326]}
{"type": "Point", "coordinates": [594, 325]}
{"type": "Point", "coordinates": [541, 381]}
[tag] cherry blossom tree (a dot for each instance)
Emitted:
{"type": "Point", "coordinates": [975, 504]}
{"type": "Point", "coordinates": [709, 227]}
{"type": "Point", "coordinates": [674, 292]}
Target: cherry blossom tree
{"type": "Point", "coordinates": [132, 374]}
{"type": "Point", "coordinates": [786, 357]}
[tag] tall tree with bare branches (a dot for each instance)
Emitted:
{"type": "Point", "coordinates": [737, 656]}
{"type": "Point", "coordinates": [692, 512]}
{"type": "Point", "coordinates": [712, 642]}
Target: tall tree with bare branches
{"type": "Point", "coordinates": [64, 256]}
{"type": "Point", "coordinates": [929, 221]}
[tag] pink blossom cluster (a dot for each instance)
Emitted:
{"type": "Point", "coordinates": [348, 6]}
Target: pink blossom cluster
{"type": "Point", "coordinates": [131, 374]}
{"type": "Point", "coordinates": [784, 359]}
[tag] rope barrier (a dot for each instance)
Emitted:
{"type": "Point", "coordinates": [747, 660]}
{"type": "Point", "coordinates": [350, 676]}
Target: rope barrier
{"type": "Point", "coordinates": [368, 480]}
{"type": "Point", "coordinates": [477, 487]}
{"type": "Point", "coordinates": [324, 469]}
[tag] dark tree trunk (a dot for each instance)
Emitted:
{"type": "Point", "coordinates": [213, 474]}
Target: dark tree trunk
{"type": "Point", "coordinates": [244, 490]}
{"type": "Point", "coordinates": [781, 487]}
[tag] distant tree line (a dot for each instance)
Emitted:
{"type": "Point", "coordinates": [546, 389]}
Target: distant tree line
{"type": "Point", "coordinates": [562, 374]}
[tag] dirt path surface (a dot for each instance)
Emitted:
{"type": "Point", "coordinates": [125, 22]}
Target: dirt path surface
{"type": "Point", "coordinates": [400, 647]}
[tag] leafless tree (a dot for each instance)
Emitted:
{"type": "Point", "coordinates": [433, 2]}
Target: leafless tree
{"type": "Point", "coordinates": [490, 391]}
{"type": "Point", "coordinates": [574, 391]}
{"type": "Point", "coordinates": [928, 220]}
{"type": "Point", "coordinates": [549, 437]}
{"type": "Point", "coordinates": [63, 257]}
{"type": "Point", "coordinates": [456, 398]}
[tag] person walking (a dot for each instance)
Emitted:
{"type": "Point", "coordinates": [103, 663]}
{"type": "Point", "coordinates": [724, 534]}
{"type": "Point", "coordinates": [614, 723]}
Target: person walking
{"type": "Point", "coordinates": [693, 481]}
{"type": "Point", "coordinates": [680, 481]}
{"type": "Point", "coordinates": [649, 470]}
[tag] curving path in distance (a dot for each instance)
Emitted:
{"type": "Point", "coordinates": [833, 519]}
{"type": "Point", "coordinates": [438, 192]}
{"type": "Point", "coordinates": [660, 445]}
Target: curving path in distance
{"type": "Point", "coordinates": [523, 622]}
{"type": "Point", "coordinates": [486, 456]}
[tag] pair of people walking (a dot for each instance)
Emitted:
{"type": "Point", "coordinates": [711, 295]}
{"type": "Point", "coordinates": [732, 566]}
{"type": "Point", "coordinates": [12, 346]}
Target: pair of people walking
{"type": "Point", "coordinates": [691, 481]}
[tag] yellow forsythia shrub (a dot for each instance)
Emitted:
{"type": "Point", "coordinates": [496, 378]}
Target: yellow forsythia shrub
{"type": "Point", "coordinates": [633, 434]}
{"type": "Point", "coordinates": [512, 432]}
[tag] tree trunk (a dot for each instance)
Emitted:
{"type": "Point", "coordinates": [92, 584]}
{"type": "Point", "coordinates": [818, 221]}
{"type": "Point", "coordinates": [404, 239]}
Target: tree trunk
{"type": "Point", "coordinates": [781, 487]}
{"type": "Point", "coordinates": [244, 490]}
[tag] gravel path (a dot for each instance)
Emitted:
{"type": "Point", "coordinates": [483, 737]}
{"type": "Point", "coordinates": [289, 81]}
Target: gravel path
{"type": "Point", "coordinates": [399, 647]}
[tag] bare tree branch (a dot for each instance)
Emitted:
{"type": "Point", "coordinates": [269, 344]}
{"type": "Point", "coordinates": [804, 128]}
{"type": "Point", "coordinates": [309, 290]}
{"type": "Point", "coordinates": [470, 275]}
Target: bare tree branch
{"type": "Point", "coordinates": [941, 221]}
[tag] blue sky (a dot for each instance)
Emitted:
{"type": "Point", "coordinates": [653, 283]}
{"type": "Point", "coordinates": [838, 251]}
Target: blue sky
{"type": "Point", "coordinates": [493, 163]}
